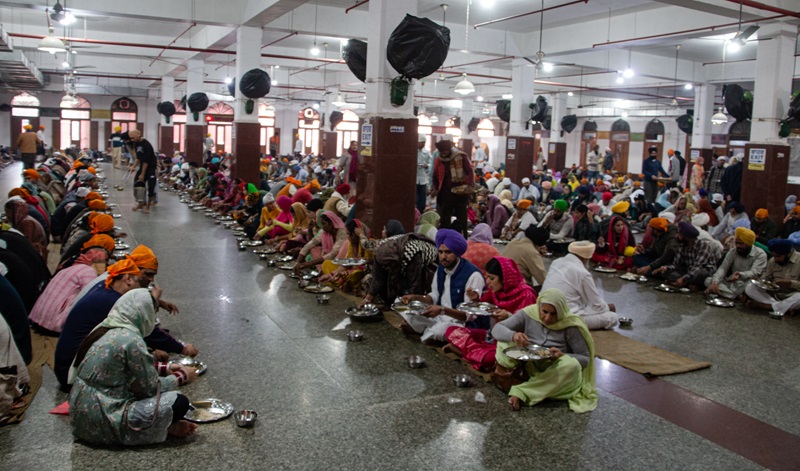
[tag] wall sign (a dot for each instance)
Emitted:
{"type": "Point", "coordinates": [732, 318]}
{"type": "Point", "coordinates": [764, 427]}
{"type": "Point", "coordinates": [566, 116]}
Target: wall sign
{"type": "Point", "coordinates": [551, 148]}
{"type": "Point", "coordinates": [397, 129]}
{"type": "Point", "coordinates": [510, 157]}
{"type": "Point", "coordinates": [366, 135]}
{"type": "Point", "coordinates": [756, 159]}
{"type": "Point", "coordinates": [694, 154]}
{"type": "Point", "coordinates": [512, 144]}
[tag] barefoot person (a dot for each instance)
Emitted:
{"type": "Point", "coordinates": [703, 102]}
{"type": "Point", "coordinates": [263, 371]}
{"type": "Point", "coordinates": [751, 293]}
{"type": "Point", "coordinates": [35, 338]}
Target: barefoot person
{"type": "Point", "coordinates": [148, 166]}
{"type": "Point", "coordinates": [568, 373]}
{"type": "Point", "coordinates": [118, 397]}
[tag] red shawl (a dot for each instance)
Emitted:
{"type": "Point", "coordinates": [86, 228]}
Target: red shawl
{"type": "Point", "coordinates": [516, 294]}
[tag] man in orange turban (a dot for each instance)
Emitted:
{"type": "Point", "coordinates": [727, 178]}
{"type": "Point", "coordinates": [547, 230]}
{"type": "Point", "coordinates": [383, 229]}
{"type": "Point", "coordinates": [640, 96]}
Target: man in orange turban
{"type": "Point", "coordinates": [93, 195]}
{"type": "Point", "coordinates": [519, 221]}
{"type": "Point", "coordinates": [101, 224]}
{"type": "Point", "coordinates": [31, 174]}
{"type": "Point", "coordinates": [663, 249]}
{"type": "Point", "coordinates": [96, 205]}
{"type": "Point", "coordinates": [92, 170]}
{"type": "Point", "coordinates": [103, 241]}
{"type": "Point", "coordinates": [118, 270]}
{"type": "Point", "coordinates": [21, 192]}
{"type": "Point", "coordinates": [764, 227]}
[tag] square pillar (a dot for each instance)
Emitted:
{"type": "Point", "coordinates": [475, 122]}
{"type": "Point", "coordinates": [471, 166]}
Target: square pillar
{"type": "Point", "coordinates": [246, 128]}
{"type": "Point", "coordinates": [166, 136]}
{"type": "Point", "coordinates": [774, 73]}
{"type": "Point", "coordinates": [195, 128]}
{"type": "Point", "coordinates": [520, 155]}
{"type": "Point", "coordinates": [764, 179]}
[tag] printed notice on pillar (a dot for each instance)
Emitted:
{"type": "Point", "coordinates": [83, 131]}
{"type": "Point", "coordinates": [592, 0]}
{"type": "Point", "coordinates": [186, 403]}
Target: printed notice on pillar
{"type": "Point", "coordinates": [366, 151]}
{"type": "Point", "coordinates": [756, 159]}
{"type": "Point", "coordinates": [510, 156]}
{"type": "Point", "coordinates": [366, 135]}
{"type": "Point", "coordinates": [694, 154]}
{"type": "Point", "coordinates": [512, 144]}
{"type": "Point", "coordinates": [551, 148]}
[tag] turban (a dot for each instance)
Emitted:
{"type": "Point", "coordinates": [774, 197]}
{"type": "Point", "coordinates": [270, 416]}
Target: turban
{"type": "Point", "coordinates": [780, 246]}
{"type": "Point", "coordinates": [268, 198]}
{"type": "Point", "coordinates": [670, 152]}
{"type": "Point", "coordinates": [284, 203]}
{"type": "Point", "coordinates": [251, 188]}
{"type": "Point", "coordinates": [526, 180]}
{"type": "Point", "coordinates": [670, 217]}
{"type": "Point", "coordinates": [122, 267]}
{"type": "Point", "coordinates": [487, 176]}
{"type": "Point", "coordinates": [796, 210]}
{"type": "Point", "coordinates": [100, 240]}
{"type": "Point", "coordinates": [620, 207]}
{"type": "Point", "coordinates": [294, 181]}
{"type": "Point", "coordinates": [93, 195]}
{"type": "Point", "coordinates": [762, 213]}
{"type": "Point", "coordinates": [21, 192]}
{"type": "Point", "coordinates": [302, 196]}
{"type": "Point", "coordinates": [78, 164]}
{"type": "Point", "coordinates": [452, 240]}
{"type": "Point", "coordinates": [660, 224]}
{"type": "Point", "coordinates": [736, 206]}
{"type": "Point", "coordinates": [620, 180]}
{"type": "Point", "coordinates": [101, 224]}
{"type": "Point", "coordinates": [702, 192]}
{"type": "Point", "coordinates": [506, 181]}
{"type": "Point", "coordinates": [701, 219]}
{"type": "Point", "coordinates": [582, 248]}
{"type": "Point", "coordinates": [343, 189]}
{"type": "Point", "coordinates": [27, 127]}
{"type": "Point", "coordinates": [523, 204]}
{"type": "Point", "coordinates": [638, 184]}
{"type": "Point", "coordinates": [745, 235]}
{"type": "Point", "coordinates": [598, 182]}
{"type": "Point", "coordinates": [560, 205]}
{"type": "Point", "coordinates": [314, 205]}
{"type": "Point", "coordinates": [85, 177]}
{"type": "Point", "coordinates": [143, 257]}
{"type": "Point", "coordinates": [82, 192]}
{"type": "Point", "coordinates": [607, 196]}
{"type": "Point", "coordinates": [497, 175]}
{"type": "Point", "coordinates": [547, 185]}
{"type": "Point", "coordinates": [584, 181]}
{"type": "Point", "coordinates": [97, 204]}
{"type": "Point", "coordinates": [313, 185]}
{"type": "Point", "coordinates": [31, 173]}
{"type": "Point", "coordinates": [584, 190]}
{"type": "Point", "coordinates": [537, 235]}
{"type": "Point", "coordinates": [652, 149]}
{"type": "Point", "coordinates": [717, 197]}
{"type": "Point", "coordinates": [92, 170]}
{"type": "Point", "coordinates": [688, 230]}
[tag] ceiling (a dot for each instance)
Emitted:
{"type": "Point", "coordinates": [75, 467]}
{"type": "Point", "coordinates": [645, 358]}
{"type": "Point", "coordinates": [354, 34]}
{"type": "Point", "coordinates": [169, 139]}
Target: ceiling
{"type": "Point", "coordinates": [126, 40]}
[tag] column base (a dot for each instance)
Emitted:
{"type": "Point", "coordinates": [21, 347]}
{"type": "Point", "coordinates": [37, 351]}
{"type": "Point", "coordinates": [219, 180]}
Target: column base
{"type": "Point", "coordinates": [247, 152]}
{"type": "Point", "coordinates": [194, 143]}
{"type": "Point", "coordinates": [166, 136]}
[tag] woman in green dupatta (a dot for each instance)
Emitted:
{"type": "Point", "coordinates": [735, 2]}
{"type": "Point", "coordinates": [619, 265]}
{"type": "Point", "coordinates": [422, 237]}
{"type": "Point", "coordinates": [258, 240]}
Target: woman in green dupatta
{"type": "Point", "coordinates": [569, 372]}
{"type": "Point", "coordinates": [428, 224]}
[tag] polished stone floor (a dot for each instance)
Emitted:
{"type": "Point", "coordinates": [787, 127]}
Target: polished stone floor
{"type": "Point", "coordinates": [327, 403]}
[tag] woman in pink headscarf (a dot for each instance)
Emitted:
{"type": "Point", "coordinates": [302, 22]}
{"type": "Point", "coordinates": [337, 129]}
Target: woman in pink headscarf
{"type": "Point", "coordinates": [506, 289]}
{"type": "Point", "coordinates": [330, 239]}
{"type": "Point", "coordinates": [479, 247]}
{"type": "Point", "coordinates": [282, 224]}
{"type": "Point", "coordinates": [55, 302]}
{"type": "Point", "coordinates": [615, 249]}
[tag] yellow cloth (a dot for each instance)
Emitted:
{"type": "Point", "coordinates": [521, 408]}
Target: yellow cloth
{"type": "Point", "coordinates": [144, 258]}
{"type": "Point", "coordinates": [267, 215]}
{"type": "Point", "coordinates": [745, 235]}
{"type": "Point", "coordinates": [620, 207]}
{"type": "Point", "coordinates": [123, 267]}
{"type": "Point", "coordinates": [762, 213]}
{"type": "Point", "coordinates": [523, 204]}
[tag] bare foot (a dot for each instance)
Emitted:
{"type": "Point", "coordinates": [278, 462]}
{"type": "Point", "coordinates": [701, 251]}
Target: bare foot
{"type": "Point", "coordinates": [612, 308]}
{"type": "Point", "coordinates": [514, 402]}
{"type": "Point", "coordinates": [757, 305]}
{"type": "Point", "coordinates": [181, 429]}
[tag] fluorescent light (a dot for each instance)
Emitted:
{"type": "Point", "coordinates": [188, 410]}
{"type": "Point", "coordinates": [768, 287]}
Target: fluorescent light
{"type": "Point", "coordinates": [65, 65]}
{"type": "Point", "coordinates": [688, 86]}
{"type": "Point", "coordinates": [228, 80]}
{"type": "Point", "coordinates": [487, 3]}
{"type": "Point", "coordinates": [624, 114]}
{"type": "Point", "coordinates": [547, 66]}
{"type": "Point", "coordinates": [315, 106]}
{"type": "Point", "coordinates": [507, 96]}
{"type": "Point", "coordinates": [733, 46]}
{"type": "Point", "coordinates": [68, 19]}
{"type": "Point", "coordinates": [628, 73]}
{"type": "Point", "coordinates": [620, 80]}
{"type": "Point", "coordinates": [479, 98]}
{"type": "Point", "coordinates": [344, 41]}
{"type": "Point", "coordinates": [570, 94]}
{"type": "Point", "coordinates": [274, 82]}
{"type": "Point", "coordinates": [314, 51]}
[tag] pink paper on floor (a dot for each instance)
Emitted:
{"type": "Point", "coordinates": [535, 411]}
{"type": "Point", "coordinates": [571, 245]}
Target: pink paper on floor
{"type": "Point", "coordinates": [61, 409]}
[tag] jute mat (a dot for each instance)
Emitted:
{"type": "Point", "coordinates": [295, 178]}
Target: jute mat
{"type": "Point", "coordinates": [43, 349]}
{"type": "Point", "coordinates": [641, 357]}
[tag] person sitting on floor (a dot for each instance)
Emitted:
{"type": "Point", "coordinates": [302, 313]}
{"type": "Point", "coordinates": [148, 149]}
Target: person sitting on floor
{"type": "Point", "coordinates": [527, 253]}
{"type": "Point", "coordinates": [764, 227]}
{"type": "Point", "coordinates": [616, 249]}
{"type": "Point", "coordinates": [662, 250]}
{"type": "Point", "coordinates": [569, 275]}
{"type": "Point", "coordinates": [519, 221]}
{"type": "Point", "coordinates": [331, 238]}
{"type": "Point", "coordinates": [740, 265]}
{"type": "Point", "coordinates": [560, 225]}
{"type": "Point", "coordinates": [508, 291]}
{"type": "Point", "coordinates": [449, 289]}
{"type": "Point", "coordinates": [783, 269]}
{"type": "Point", "coordinates": [569, 373]}
{"type": "Point", "coordinates": [694, 262]}
{"type": "Point", "coordinates": [402, 264]}
{"type": "Point", "coordinates": [479, 247]}
{"type": "Point", "coordinates": [118, 397]}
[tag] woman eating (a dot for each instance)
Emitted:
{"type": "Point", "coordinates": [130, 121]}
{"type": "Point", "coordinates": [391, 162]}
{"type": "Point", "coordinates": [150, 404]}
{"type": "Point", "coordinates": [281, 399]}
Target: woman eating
{"type": "Point", "coordinates": [281, 224]}
{"type": "Point", "coordinates": [617, 248]}
{"type": "Point", "coordinates": [569, 372]}
{"type": "Point", "coordinates": [348, 278]}
{"type": "Point", "coordinates": [506, 289]}
{"type": "Point", "coordinates": [330, 239]}
{"type": "Point", "coordinates": [118, 397]}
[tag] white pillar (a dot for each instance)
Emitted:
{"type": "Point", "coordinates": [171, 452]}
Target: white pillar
{"type": "Point", "coordinates": [167, 94]}
{"type": "Point", "coordinates": [384, 16]}
{"type": "Point", "coordinates": [522, 76]}
{"type": "Point", "coordinates": [558, 102]}
{"type": "Point", "coordinates": [774, 72]}
{"type": "Point", "coordinates": [703, 110]}
{"type": "Point", "coordinates": [195, 73]}
{"type": "Point", "coordinates": [248, 56]}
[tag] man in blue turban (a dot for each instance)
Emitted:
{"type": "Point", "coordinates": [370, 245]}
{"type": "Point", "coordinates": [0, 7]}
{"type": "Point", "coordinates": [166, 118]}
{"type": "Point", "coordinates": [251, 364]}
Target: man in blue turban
{"type": "Point", "coordinates": [453, 278]}
{"type": "Point", "coordinates": [784, 271]}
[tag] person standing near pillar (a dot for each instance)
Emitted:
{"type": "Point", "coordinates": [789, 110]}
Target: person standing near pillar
{"type": "Point", "coordinates": [27, 143]}
{"type": "Point", "coordinates": [608, 161]}
{"type": "Point", "coordinates": [651, 168]}
{"type": "Point", "coordinates": [298, 147]}
{"type": "Point", "coordinates": [148, 166]}
{"type": "Point", "coordinates": [208, 147]}
{"type": "Point", "coordinates": [115, 143]}
{"type": "Point", "coordinates": [347, 167]}
{"type": "Point", "coordinates": [423, 173]}
{"type": "Point", "coordinates": [452, 179]}
{"type": "Point", "coordinates": [593, 163]}
{"type": "Point", "coordinates": [42, 149]}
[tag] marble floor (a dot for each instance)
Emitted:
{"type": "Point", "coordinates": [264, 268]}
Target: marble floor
{"type": "Point", "coordinates": [324, 402]}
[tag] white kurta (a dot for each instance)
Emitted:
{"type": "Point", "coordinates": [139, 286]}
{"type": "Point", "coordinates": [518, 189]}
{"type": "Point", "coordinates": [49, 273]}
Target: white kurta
{"type": "Point", "coordinates": [435, 328]}
{"type": "Point", "coordinates": [526, 220]}
{"type": "Point", "coordinates": [569, 275]}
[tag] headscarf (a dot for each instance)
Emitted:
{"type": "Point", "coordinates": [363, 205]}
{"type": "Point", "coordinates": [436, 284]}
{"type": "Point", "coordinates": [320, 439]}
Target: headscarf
{"type": "Point", "coordinates": [617, 249]}
{"type": "Point", "coordinates": [134, 311]}
{"type": "Point", "coordinates": [101, 224]}
{"type": "Point", "coordinates": [300, 220]}
{"type": "Point", "coordinates": [328, 240]}
{"type": "Point", "coordinates": [394, 227]}
{"type": "Point", "coordinates": [30, 188]}
{"type": "Point", "coordinates": [452, 240]}
{"type": "Point", "coordinates": [482, 234]}
{"type": "Point", "coordinates": [586, 399]}
{"type": "Point", "coordinates": [428, 221]}
{"type": "Point", "coordinates": [790, 203]}
{"type": "Point", "coordinates": [284, 203]}
{"type": "Point", "coordinates": [92, 256]}
{"type": "Point", "coordinates": [505, 199]}
{"type": "Point", "coordinates": [19, 211]}
{"type": "Point", "coordinates": [492, 202]}
{"type": "Point", "coordinates": [516, 294]}
{"type": "Point", "coordinates": [745, 235]}
{"type": "Point", "coordinates": [144, 258]}
{"type": "Point", "coordinates": [703, 206]}
{"type": "Point", "coordinates": [99, 240]}
{"type": "Point", "coordinates": [122, 267]}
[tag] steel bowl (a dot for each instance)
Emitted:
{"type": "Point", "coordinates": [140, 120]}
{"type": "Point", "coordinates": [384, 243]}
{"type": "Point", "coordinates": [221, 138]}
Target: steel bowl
{"type": "Point", "coordinates": [777, 315]}
{"type": "Point", "coordinates": [216, 221]}
{"type": "Point", "coordinates": [462, 380]}
{"type": "Point", "coordinates": [242, 248]}
{"type": "Point", "coordinates": [271, 263]}
{"type": "Point", "coordinates": [415, 362]}
{"type": "Point", "coordinates": [322, 298]}
{"type": "Point", "coordinates": [302, 283]}
{"type": "Point", "coordinates": [625, 321]}
{"type": "Point", "coordinates": [262, 256]}
{"type": "Point", "coordinates": [355, 336]}
{"type": "Point", "coordinates": [241, 239]}
{"type": "Point", "coordinates": [642, 279]}
{"type": "Point", "coordinates": [245, 418]}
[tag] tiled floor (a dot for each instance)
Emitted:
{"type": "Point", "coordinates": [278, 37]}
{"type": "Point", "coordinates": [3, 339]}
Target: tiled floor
{"type": "Point", "coordinates": [327, 403]}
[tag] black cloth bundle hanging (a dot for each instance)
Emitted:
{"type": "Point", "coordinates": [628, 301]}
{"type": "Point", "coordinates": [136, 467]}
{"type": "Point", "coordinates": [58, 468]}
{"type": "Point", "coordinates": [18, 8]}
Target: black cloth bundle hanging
{"type": "Point", "coordinates": [5, 107]}
{"type": "Point", "coordinates": [418, 47]}
{"type": "Point", "coordinates": [794, 106]}
{"type": "Point", "coordinates": [183, 102]}
{"type": "Point", "coordinates": [167, 108]}
{"type": "Point", "coordinates": [336, 118]}
{"type": "Point", "coordinates": [504, 110]}
{"type": "Point", "coordinates": [198, 102]}
{"type": "Point", "coordinates": [590, 125]}
{"type": "Point", "coordinates": [548, 121]}
{"type": "Point", "coordinates": [472, 126]}
{"type": "Point", "coordinates": [685, 123]}
{"type": "Point", "coordinates": [255, 83]}
{"type": "Point", "coordinates": [232, 87]}
{"type": "Point", "coordinates": [354, 54]}
{"type": "Point", "coordinates": [569, 122]}
{"type": "Point", "coordinates": [738, 101]}
{"type": "Point", "coordinates": [539, 109]}
{"type": "Point", "coordinates": [158, 108]}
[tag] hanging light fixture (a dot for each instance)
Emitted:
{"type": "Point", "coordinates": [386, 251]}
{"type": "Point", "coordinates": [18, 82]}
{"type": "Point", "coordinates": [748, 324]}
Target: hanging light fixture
{"type": "Point", "coordinates": [339, 101]}
{"type": "Point", "coordinates": [719, 118]}
{"type": "Point", "coordinates": [315, 50]}
{"type": "Point", "coordinates": [434, 118]}
{"type": "Point", "coordinates": [464, 87]}
{"type": "Point", "coordinates": [51, 44]}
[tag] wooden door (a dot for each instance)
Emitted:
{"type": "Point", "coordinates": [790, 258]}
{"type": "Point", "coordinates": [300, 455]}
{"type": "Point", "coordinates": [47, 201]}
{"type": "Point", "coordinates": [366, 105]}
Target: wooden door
{"type": "Point", "coordinates": [620, 146]}
{"type": "Point", "coordinates": [93, 135]}
{"type": "Point", "coordinates": [588, 139]}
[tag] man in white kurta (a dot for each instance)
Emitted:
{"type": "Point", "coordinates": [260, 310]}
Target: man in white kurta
{"type": "Point", "coordinates": [740, 265]}
{"type": "Point", "coordinates": [569, 275]}
{"type": "Point", "coordinates": [783, 269]}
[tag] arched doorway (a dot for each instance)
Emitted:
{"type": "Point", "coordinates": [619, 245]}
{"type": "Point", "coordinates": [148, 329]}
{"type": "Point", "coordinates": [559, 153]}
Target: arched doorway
{"type": "Point", "coordinates": [653, 137]}
{"type": "Point", "coordinates": [24, 111]}
{"type": "Point", "coordinates": [588, 139]}
{"type": "Point", "coordinates": [219, 117]}
{"type": "Point", "coordinates": [179, 127]}
{"type": "Point", "coordinates": [738, 137]}
{"type": "Point", "coordinates": [75, 127]}
{"type": "Point", "coordinates": [620, 144]}
{"type": "Point", "coordinates": [269, 135]}
{"type": "Point", "coordinates": [125, 114]}
{"type": "Point", "coordinates": [308, 122]}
